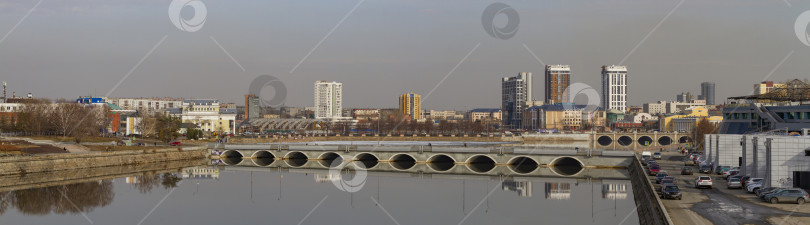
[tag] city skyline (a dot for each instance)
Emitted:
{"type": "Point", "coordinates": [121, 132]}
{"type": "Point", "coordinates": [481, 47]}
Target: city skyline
{"type": "Point", "coordinates": [194, 65]}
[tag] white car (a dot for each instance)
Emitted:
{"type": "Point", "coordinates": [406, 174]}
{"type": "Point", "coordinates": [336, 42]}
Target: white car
{"type": "Point", "coordinates": [703, 181]}
{"type": "Point", "coordinates": [754, 187]}
{"type": "Point", "coordinates": [752, 181]}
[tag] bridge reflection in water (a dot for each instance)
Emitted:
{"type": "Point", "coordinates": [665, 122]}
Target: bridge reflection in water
{"type": "Point", "coordinates": [613, 183]}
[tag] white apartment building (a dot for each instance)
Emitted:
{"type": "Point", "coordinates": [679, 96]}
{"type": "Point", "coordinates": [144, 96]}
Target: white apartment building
{"type": "Point", "coordinates": [328, 99]}
{"type": "Point", "coordinates": [655, 108]}
{"type": "Point", "coordinates": [146, 105]}
{"type": "Point", "coordinates": [614, 87]}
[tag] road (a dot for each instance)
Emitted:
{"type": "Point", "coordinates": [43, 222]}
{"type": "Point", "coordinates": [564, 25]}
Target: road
{"type": "Point", "coordinates": [718, 205]}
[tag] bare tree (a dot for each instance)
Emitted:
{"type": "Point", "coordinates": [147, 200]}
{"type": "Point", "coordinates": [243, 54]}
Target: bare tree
{"type": "Point", "coordinates": [147, 125]}
{"type": "Point", "coordinates": [65, 117]}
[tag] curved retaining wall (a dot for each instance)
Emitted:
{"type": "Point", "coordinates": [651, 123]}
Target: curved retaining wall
{"type": "Point", "coordinates": [64, 161]}
{"type": "Point", "coordinates": [650, 209]}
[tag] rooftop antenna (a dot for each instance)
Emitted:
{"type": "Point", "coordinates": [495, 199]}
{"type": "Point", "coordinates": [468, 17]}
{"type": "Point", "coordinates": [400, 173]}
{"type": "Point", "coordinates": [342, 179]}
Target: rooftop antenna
{"type": "Point", "coordinates": [4, 91]}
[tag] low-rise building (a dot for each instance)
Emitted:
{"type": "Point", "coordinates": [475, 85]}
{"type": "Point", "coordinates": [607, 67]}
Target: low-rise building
{"type": "Point", "coordinates": [485, 114]}
{"type": "Point", "coordinates": [686, 120]}
{"type": "Point", "coordinates": [561, 117]}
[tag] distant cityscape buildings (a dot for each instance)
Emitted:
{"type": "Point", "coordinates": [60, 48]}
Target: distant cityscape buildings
{"type": "Point", "coordinates": [558, 78]}
{"type": "Point", "coordinates": [252, 107]}
{"type": "Point", "coordinates": [707, 92]}
{"type": "Point", "coordinates": [766, 86]}
{"type": "Point", "coordinates": [410, 105]}
{"type": "Point", "coordinates": [328, 99]}
{"type": "Point", "coordinates": [614, 87]}
{"type": "Point", "coordinates": [515, 93]}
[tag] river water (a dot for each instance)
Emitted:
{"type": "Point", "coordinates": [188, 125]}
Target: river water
{"type": "Point", "coordinates": [253, 195]}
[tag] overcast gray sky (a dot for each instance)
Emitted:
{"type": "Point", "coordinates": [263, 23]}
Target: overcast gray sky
{"type": "Point", "coordinates": [385, 47]}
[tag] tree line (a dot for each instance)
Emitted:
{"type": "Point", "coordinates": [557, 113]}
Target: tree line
{"type": "Point", "coordinates": [41, 117]}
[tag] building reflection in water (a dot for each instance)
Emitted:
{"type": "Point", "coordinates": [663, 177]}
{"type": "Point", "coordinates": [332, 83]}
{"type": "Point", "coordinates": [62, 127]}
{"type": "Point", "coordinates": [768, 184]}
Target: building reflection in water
{"type": "Point", "coordinates": [326, 177]}
{"type": "Point", "coordinates": [63, 199]}
{"type": "Point", "coordinates": [558, 191]}
{"type": "Point", "coordinates": [523, 188]}
{"type": "Point", "coordinates": [200, 173]}
{"type": "Point", "coordinates": [614, 191]}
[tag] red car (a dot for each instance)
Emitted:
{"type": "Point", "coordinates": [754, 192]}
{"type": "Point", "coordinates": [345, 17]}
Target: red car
{"type": "Point", "coordinates": [654, 170]}
{"type": "Point", "coordinates": [176, 143]}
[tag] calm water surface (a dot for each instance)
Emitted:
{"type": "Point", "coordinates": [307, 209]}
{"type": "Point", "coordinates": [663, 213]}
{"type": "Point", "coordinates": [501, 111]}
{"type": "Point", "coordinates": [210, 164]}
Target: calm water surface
{"type": "Point", "coordinates": [246, 195]}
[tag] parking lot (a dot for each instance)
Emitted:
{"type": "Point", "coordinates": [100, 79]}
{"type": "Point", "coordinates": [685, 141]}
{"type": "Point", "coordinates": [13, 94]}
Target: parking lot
{"type": "Point", "coordinates": [720, 205]}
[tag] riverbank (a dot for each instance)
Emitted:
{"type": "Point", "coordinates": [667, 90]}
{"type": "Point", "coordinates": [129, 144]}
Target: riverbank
{"type": "Point", "coordinates": [60, 162]}
{"type": "Point", "coordinates": [66, 177]}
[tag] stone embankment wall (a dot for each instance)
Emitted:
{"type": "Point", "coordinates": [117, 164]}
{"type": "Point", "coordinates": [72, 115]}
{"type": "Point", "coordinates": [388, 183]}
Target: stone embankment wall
{"type": "Point", "coordinates": [650, 209]}
{"type": "Point", "coordinates": [65, 177]}
{"type": "Point", "coordinates": [60, 162]}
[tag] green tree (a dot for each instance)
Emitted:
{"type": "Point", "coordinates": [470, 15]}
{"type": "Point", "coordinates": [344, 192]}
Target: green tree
{"type": "Point", "coordinates": [167, 127]}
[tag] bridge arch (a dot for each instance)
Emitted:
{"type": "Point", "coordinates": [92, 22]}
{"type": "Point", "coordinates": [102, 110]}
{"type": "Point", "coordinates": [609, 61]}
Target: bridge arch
{"type": "Point", "coordinates": [665, 140]}
{"type": "Point", "coordinates": [330, 159]}
{"type": "Point", "coordinates": [403, 161]}
{"type": "Point", "coordinates": [644, 140]}
{"type": "Point", "coordinates": [604, 140]}
{"type": "Point", "coordinates": [625, 140]}
{"type": "Point", "coordinates": [684, 139]}
{"type": "Point", "coordinates": [367, 159]}
{"type": "Point", "coordinates": [481, 163]}
{"type": "Point", "coordinates": [523, 165]}
{"type": "Point", "coordinates": [232, 157]}
{"type": "Point", "coordinates": [262, 154]}
{"type": "Point", "coordinates": [262, 158]}
{"type": "Point", "coordinates": [441, 162]}
{"type": "Point", "coordinates": [566, 166]}
{"type": "Point", "coordinates": [296, 159]}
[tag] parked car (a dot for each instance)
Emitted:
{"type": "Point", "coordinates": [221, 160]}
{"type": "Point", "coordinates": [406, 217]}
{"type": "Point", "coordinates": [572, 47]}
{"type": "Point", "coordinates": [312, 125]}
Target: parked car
{"type": "Point", "coordinates": [660, 175]}
{"type": "Point", "coordinates": [752, 181]}
{"type": "Point", "coordinates": [743, 179]}
{"type": "Point", "coordinates": [687, 171]}
{"type": "Point", "coordinates": [734, 182]}
{"type": "Point", "coordinates": [738, 176]}
{"type": "Point", "coordinates": [721, 169]}
{"type": "Point", "coordinates": [657, 155]}
{"type": "Point", "coordinates": [688, 162]}
{"type": "Point", "coordinates": [140, 144]}
{"type": "Point", "coordinates": [730, 173]}
{"type": "Point", "coordinates": [666, 182]}
{"type": "Point", "coordinates": [703, 181]}
{"type": "Point", "coordinates": [764, 191]}
{"type": "Point", "coordinates": [176, 143]}
{"type": "Point", "coordinates": [705, 169]}
{"type": "Point", "coordinates": [671, 192]}
{"type": "Point", "coordinates": [754, 187]}
{"type": "Point", "coordinates": [788, 195]}
{"type": "Point", "coordinates": [654, 169]}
